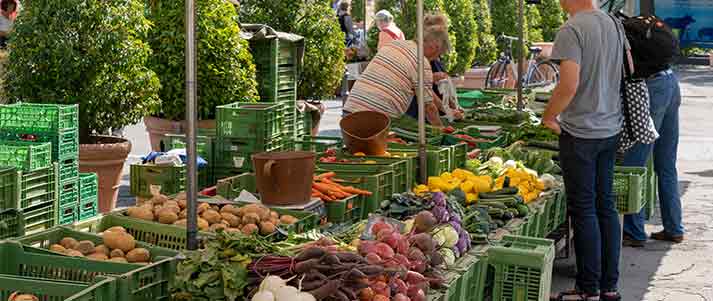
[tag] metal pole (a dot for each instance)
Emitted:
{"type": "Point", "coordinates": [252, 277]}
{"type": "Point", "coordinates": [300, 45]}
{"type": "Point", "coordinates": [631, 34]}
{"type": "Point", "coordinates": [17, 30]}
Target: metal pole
{"type": "Point", "coordinates": [521, 52]}
{"type": "Point", "coordinates": [419, 94]}
{"type": "Point", "coordinates": [191, 116]}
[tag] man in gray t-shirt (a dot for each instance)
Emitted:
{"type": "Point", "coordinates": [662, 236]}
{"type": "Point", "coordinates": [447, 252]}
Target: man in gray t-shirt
{"type": "Point", "coordinates": [585, 110]}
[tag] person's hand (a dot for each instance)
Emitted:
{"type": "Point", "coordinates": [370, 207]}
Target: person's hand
{"type": "Point", "coordinates": [439, 76]}
{"type": "Point", "coordinates": [458, 114]}
{"type": "Point", "coordinates": [552, 124]}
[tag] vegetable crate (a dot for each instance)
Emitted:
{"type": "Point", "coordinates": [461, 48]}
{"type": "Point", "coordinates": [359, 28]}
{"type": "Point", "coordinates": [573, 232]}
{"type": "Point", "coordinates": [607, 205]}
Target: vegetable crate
{"type": "Point", "coordinates": [65, 143]}
{"type": "Point", "coordinates": [38, 118]}
{"type": "Point", "coordinates": [381, 186]}
{"type": "Point", "coordinates": [317, 144]}
{"type": "Point", "coordinates": [170, 179]}
{"type": "Point", "coordinates": [88, 208]}
{"type": "Point", "coordinates": [523, 268]}
{"type": "Point", "coordinates": [459, 155]}
{"type": "Point", "coordinates": [205, 147]}
{"type": "Point", "coordinates": [27, 156]}
{"type": "Point", "coordinates": [231, 187]}
{"type": "Point", "coordinates": [67, 214]}
{"type": "Point", "coordinates": [249, 120]}
{"type": "Point", "coordinates": [12, 223]}
{"type": "Point", "coordinates": [68, 192]}
{"type": "Point", "coordinates": [402, 170]}
{"type": "Point", "coordinates": [68, 169]}
{"type": "Point", "coordinates": [344, 211]}
{"type": "Point", "coordinates": [629, 188]}
{"type": "Point", "coordinates": [277, 62]}
{"type": "Point", "coordinates": [651, 189]}
{"type": "Point", "coordinates": [103, 289]}
{"type": "Point", "coordinates": [552, 210]}
{"type": "Point", "coordinates": [20, 190]}
{"type": "Point", "coordinates": [466, 279]}
{"type": "Point", "coordinates": [88, 186]}
{"type": "Point", "coordinates": [233, 156]}
{"type": "Point", "coordinates": [438, 158]}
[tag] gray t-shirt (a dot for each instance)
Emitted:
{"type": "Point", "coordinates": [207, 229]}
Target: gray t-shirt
{"type": "Point", "coordinates": [590, 39]}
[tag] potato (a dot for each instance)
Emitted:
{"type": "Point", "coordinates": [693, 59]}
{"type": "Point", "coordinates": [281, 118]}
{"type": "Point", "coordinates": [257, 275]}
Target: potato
{"type": "Point", "coordinates": [74, 253]}
{"type": "Point", "coordinates": [141, 213]}
{"type": "Point", "coordinates": [267, 228]}
{"type": "Point", "coordinates": [172, 203]}
{"type": "Point", "coordinates": [117, 253]}
{"type": "Point", "coordinates": [229, 209]}
{"type": "Point", "coordinates": [233, 230]}
{"type": "Point", "coordinates": [17, 296]}
{"type": "Point", "coordinates": [202, 207]}
{"type": "Point", "coordinates": [119, 259]}
{"type": "Point", "coordinates": [98, 256]}
{"type": "Point", "coordinates": [203, 225]}
{"type": "Point", "coordinates": [274, 214]}
{"type": "Point", "coordinates": [117, 240]}
{"type": "Point", "coordinates": [167, 216]}
{"type": "Point", "coordinates": [232, 220]}
{"type": "Point", "coordinates": [183, 214]}
{"type": "Point", "coordinates": [86, 247]}
{"type": "Point", "coordinates": [58, 248]}
{"type": "Point", "coordinates": [102, 249]}
{"type": "Point", "coordinates": [182, 203]}
{"type": "Point", "coordinates": [211, 216]}
{"type": "Point", "coordinates": [69, 243]}
{"type": "Point", "coordinates": [251, 218]}
{"type": "Point", "coordinates": [181, 196]}
{"type": "Point", "coordinates": [159, 199]}
{"type": "Point", "coordinates": [215, 227]}
{"type": "Point", "coordinates": [138, 255]}
{"type": "Point", "coordinates": [288, 219]}
{"type": "Point", "coordinates": [252, 208]}
{"type": "Point", "coordinates": [249, 229]}
{"type": "Point", "coordinates": [181, 223]}
{"type": "Point", "coordinates": [116, 229]}
{"type": "Point", "coordinates": [275, 221]}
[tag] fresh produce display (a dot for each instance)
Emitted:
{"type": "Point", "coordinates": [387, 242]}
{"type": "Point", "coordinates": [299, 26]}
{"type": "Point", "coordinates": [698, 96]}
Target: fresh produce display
{"type": "Point", "coordinates": [467, 181]}
{"type": "Point", "coordinates": [17, 296]}
{"type": "Point", "coordinates": [326, 187]}
{"type": "Point", "coordinates": [538, 161]}
{"type": "Point", "coordinates": [500, 113]}
{"type": "Point", "coordinates": [249, 219]}
{"type": "Point", "coordinates": [117, 246]}
{"type": "Point", "coordinates": [274, 288]}
{"type": "Point", "coordinates": [533, 132]}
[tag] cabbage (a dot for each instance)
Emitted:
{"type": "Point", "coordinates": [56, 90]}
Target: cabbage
{"type": "Point", "coordinates": [446, 236]}
{"type": "Point", "coordinates": [439, 199]}
{"type": "Point", "coordinates": [456, 253]}
{"type": "Point", "coordinates": [456, 225]}
{"type": "Point", "coordinates": [472, 165]}
{"type": "Point", "coordinates": [510, 164]}
{"type": "Point", "coordinates": [549, 181]}
{"type": "Point", "coordinates": [448, 256]}
{"type": "Point", "coordinates": [463, 242]}
{"type": "Point", "coordinates": [441, 214]}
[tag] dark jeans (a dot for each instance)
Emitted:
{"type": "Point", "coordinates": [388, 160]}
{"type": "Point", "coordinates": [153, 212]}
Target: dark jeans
{"type": "Point", "coordinates": [588, 170]}
{"type": "Point", "coordinates": [664, 103]}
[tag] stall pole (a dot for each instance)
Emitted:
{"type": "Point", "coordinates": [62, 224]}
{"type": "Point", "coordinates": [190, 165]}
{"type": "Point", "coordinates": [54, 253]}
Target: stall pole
{"type": "Point", "coordinates": [521, 52]}
{"type": "Point", "coordinates": [419, 94]}
{"type": "Point", "coordinates": [191, 116]}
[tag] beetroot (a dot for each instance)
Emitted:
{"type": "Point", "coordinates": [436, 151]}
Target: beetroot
{"type": "Point", "coordinates": [417, 295]}
{"type": "Point", "coordinates": [380, 226]}
{"type": "Point", "coordinates": [366, 294]}
{"type": "Point", "coordinates": [424, 222]}
{"type": "Point", "coordinates": [380, 298]}
{"type": "Point", "coordinates": [372, 258]}
{"type": "Point", "coordinates": [391, 240]}
{"type": "Point", "coordinates": [366, 247]}
{"type": "Point", "coordinates": [414, 278]}
{"type": "Point", "coordinates": [402, 260]}
{"type": "Point", "coordinates": [402, 246]}
{"type": "Point", "coordinates": [383, 233]}
{"type": "Point", "coordinates": [424, 242]}
{"type": "Point", "coordinates": [380, 288]}
{"type": "Point", "coordinates": [416, 254]}
{"type": "Point", "coordinates": [418, 266]}
{"type": "Point", "coordinates": [399, 286]}
{"type": "Point", "coordinates": [401, 297]}
{"type": "Point", "coordinates": [384, 251]}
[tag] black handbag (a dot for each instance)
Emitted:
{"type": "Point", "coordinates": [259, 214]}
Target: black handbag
{"type": "Point", "coordinates": [638, 126]}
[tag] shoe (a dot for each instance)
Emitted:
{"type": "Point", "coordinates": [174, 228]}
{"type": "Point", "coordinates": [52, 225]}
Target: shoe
{"type": "Point", "coordinates": [610, 296]}
{"type": "Point", "coordinates": [627, 241]}
{"type": "Point", "coordinates": [663, 236]}
{"type": "Point", "coordinates": [574, 295]}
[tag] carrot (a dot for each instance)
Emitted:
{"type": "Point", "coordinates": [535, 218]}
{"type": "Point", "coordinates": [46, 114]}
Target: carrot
{"type": "Point", "coordinates": [353, 190]}
{"type": "Point", "coordinates": [327, 181]}
{"type": "Point", "coordinates": [321, 188]}
{"type": "Point", "coordinates": [326, 175]}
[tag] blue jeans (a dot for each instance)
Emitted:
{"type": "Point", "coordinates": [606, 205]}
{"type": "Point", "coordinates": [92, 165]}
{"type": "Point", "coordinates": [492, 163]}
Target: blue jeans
{"type": "Point", "coordinates": [665, 98]}
{"type": "Point", "coordinates": [588, 170]}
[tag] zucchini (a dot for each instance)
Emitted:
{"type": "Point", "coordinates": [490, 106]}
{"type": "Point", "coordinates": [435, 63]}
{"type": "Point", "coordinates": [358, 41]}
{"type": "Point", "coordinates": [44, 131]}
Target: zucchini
{"type": "Point", "coordinates": [505, 192]}
{"type": "Point", "coordinates": [497, 205]}
{"type": "Point", "coordinates": [513, 211]}
{"type": "Point", "coordinates": [496, 212]}
{"type": "Point", "coordinates": [523, 210]}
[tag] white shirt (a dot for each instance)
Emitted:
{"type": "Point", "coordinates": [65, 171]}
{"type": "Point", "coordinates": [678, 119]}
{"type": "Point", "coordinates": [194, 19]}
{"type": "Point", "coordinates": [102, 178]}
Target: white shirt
{"type": "Point", "coordinates": [5, 24]}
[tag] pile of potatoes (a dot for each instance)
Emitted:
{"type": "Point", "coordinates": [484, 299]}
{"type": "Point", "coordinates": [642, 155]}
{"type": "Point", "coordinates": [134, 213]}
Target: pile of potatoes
{"type": "Point", "coordinates": [17, 296]}
{"type": "Point", "coordinates": [249, 219]}
{"type": "Point", "coordinates": [118, 246]}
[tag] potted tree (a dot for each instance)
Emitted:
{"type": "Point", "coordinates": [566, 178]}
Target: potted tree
{"type": "Point", "coordinates": [226, 72]}
{"type": "Point", "coordinates": [86, 52]}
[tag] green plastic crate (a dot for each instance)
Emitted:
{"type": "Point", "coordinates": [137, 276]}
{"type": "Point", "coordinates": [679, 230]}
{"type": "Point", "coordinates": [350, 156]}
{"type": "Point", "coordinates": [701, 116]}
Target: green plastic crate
{"type": "Point", "coordinates": [12, 224]}
{"type": "Point", "coordinates": [38, 118]}
{"type": "Point", "coordinates": [65, 144]}
{"type": "Point", "coordinates": [629, 189]}
{"type": "Point", "coordinates": [562, 215]}
{"type": "Point", "coordinates": [88, 186]}
{"type": "Point", "coordinates": [37, 187]}
{"type": "Point", "coordinates": [27, 156]}
{"type": "Point", "coordinates": [166, 236]}
{"type": "Point", "coordinates": [651, 189]}
{"type": "Point", "coordinates": [88, 208]}
{"type": "Point", "coordinates": [204, 145]}
{"type": "Point", "coordinates": [68, 192]}
{"type": "Point", "coordinates": [459, 155]}
{"type": "Point", "coordinates": [344, 211]}
{"type": "Point", "coordinates": [231, 187]}
{"type": "Point", "coordinates": [104, 289]}
{"type": "Point", "coordinates": [249, 120]}
{"type": "Point", "coordinates": [234, 156]}
{"type": "Point", "coordinates": [437, 158]}
{"type": "Point", "coordinates": [523, 268]}
{"type": "Point", "coordinates": [317, 144]}
{"type": "Point", "coordinates": [170, 179]}
{"type": "Point", "coordinates": [39, 217]}
{"type": "Point", "coordinates": [67, 214]}
{"type": "Point", "coordinates": [68, 169]}
{"type": "Point", "coordinates": [381, 186]}
{"type": "Point", "coordinates": [9, 187]}
{"type": "Point", "coordinates": [463, 278]}
{"type": "Point", "coordinates": [402, 171]}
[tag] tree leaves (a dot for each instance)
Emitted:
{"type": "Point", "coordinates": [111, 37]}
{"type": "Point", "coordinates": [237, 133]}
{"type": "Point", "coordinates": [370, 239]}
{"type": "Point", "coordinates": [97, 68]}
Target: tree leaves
{"type": "Point", "coordinates": [465, 28]}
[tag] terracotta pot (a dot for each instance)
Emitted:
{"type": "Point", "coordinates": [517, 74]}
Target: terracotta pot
{"type": "Point", "coordinates": [105, 158]}
{"type": "Point", "coordinates": [158, 128]}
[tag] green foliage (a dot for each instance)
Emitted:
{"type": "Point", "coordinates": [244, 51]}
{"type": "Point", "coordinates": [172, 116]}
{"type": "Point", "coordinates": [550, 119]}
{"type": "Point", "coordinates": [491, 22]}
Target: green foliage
{"type": "Point", "coordinates": [464, 26]}
{"type": "Point", "coordinates": [552, 19]}
{"type": "Point", "coordinates": [225, 74]}
{"type": "Point", "coordinates": [324, 41]}
{"type": "Point", "coordinates": [407, 23]}
{"type": "Point", "coordinates": [324, 51]}
{"type": "Point", "coordinates": [534, 23]}
{"type": "Point", "coordinates": [487, 51]}
{"type": "Point", "coordinates": [372, 40]}
{"type": "Point", "coordinates": [505, 21]}
{"type": "Point", "coordinates": [87, 52]}
{"type": "Point", "coordinates": [358, 10]}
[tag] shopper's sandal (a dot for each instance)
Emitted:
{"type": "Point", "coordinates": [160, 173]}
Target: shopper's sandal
{"type": "Point", "coordinates": [574, 295]}
{"type": "Point", "coordinates": [610, 296]}
{"type": "Point", "coordinates": [663, 236]}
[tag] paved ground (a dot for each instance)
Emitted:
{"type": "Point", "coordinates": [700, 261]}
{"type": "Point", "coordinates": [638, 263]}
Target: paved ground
{"type": "Point", "coordinates": [660, 271]}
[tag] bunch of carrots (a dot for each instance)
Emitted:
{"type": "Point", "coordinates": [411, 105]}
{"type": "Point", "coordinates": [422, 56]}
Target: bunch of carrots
{"type": "Point", "coordinates": [325, 186]}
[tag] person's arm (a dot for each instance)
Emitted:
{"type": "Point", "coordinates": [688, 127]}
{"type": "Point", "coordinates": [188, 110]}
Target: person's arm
{"type": "Point", "coordinates": [562, 95]}
{"type": "Point", "coordinates": [349, 24]}
{"type": "Point", "coordinates": [433, 115]}
{"type": "Point", "coordinates": [384, 38]}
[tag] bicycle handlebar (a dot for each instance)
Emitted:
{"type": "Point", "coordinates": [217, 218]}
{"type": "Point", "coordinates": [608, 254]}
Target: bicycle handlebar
{"type": "Point", "coordinates": [506, 37]}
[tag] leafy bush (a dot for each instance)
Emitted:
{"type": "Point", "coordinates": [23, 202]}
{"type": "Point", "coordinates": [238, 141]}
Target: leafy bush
{"type": "Point", "coordinates": [534, 23]}
{"type": "Point", "coordinates": [487, 50]}
{"type": "Point", "coordinates": [407, 23]}
{"type": "Point", "coordinates": [464, 26]}
{"type": "Point", "coordinates": [552, 19]}
{"type": "Point", "coordinates": [505, 21]}
{"type": "Point", "coordinates": [358, 10]}
{"type": "Point", "coordinates": [324, 41]}
{"type": "Point", "coordinates": [85, 52]}
{"type": "Point", "coordinates": [225, 74]}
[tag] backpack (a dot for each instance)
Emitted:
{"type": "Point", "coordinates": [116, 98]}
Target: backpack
{"type": "Point", "coordinates": [654, 46]}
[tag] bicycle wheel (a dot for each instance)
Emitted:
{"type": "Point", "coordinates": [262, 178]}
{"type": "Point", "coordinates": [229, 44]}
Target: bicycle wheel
{"type": "Point", "coordinates": [544, 74]}
{"type": "Point", "coordinates": [497, 75]}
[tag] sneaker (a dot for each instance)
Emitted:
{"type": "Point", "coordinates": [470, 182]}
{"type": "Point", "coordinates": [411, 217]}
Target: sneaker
{"type": "Point", "coordinates": [663, 236]}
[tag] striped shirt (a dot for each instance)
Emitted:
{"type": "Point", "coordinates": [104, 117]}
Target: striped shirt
{"type": "Point", "coordinates": [389, 83]}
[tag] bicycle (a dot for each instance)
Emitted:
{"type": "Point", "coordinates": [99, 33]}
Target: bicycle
{"type": "Point", "coordinates": [540, 73]}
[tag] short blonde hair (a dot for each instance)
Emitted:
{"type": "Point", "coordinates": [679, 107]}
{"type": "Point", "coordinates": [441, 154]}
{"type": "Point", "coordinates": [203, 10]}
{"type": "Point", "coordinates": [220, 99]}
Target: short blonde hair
{"type": "Point", "coordinates": [435, 19]}
{"type": "Point", "coordinates": [437, 34]}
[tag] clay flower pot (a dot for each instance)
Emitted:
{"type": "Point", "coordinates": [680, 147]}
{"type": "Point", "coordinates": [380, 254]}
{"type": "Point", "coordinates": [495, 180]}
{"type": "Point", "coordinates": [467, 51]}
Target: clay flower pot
{"type": "Point", "coordinates": [106, 158]}
{"type": "Point", "coordinates": [158, 128]}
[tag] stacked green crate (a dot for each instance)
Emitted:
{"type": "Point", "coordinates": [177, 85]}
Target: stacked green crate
{"type": "Point", "coordinates": [88, 196]}
{"type": "Point", "coordinates": [245, 129]}
{"type": "Point", "coordinates": [32, 194]}
{"type": "Point", "coordinates": [55, 127]}
{"type": "Point", "coordinates": [205, 147]}
{"type": "Point", "coordinates": [523, 268]}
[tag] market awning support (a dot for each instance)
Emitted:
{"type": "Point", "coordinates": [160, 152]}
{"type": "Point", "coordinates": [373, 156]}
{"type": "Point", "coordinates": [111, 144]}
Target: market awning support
{"type": "Point", "coordinates": [521, 52]}
{"type": "Point", "coordinates": [419, 94]}
{"type": "Point", "coordinates": [191, 116]}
